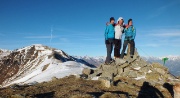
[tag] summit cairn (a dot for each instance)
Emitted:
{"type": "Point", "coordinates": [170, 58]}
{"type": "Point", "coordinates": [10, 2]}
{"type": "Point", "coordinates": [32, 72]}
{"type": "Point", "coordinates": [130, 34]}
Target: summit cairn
{"type": "Point", "coordinates": [134, 72]}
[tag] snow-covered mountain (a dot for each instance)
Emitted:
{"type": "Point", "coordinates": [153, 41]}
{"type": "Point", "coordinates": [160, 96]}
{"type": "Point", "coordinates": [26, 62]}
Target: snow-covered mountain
{"type": "Point", "coordinates": [37, 63]}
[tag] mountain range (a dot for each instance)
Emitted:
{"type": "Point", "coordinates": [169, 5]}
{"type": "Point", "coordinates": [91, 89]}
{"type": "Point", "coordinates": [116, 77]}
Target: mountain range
{"type": "Point", "coordinates": [41, 71]}
{"type": "Point", "coordinates": [173, 62]}
{"type": "Point", "coordinates": [38, 63]}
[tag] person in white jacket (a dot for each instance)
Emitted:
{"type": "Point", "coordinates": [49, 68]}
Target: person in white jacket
{"type": "Point", "coordinates": [119, 29]}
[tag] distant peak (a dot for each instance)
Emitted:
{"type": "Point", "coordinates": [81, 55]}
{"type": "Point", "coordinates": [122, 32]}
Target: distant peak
{"type": "Point", "coordinates": [37, 45]}
{"type": "Point", "coordinates": [4, 50]}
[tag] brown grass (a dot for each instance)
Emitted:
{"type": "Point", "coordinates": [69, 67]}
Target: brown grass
{"type": "Point", "coordinates": [72, 87]}
{"type": "Point", "coordinates": [109, 95]}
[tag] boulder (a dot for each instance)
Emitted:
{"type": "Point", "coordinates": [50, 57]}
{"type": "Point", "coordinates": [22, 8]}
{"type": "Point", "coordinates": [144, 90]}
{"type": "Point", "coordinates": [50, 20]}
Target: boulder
{"type": "Point", "coordinates": [106, 82]}
{"type": "Point", "coordinates": [140, 82]}
{"type": "Point", "coordinates": [87, 71]}
{"type": "Point", "coordinates": [145, 69]}
{"type": "Point", "coordinates": [158, 65]}
{"type": "Point", "coordinates": [132, 74]}
{"type": "Point", "coordinates": [54, 79]}
{"type": "Point", "coordinates": [125, 74]}
{"type": "Point", "coordinates": [109, 70]}
{"type": "Point", "coordinates": [110, 95]}
{"type": "Point", "coordinates": [127, 69]}
{"type": "Point", "coordinates": [120, 70]}
{"type": "Point", "coordinates": [155, 77]}
{"type": "Point", "coordinates": [124, 65]}
{"type": "Point", "coordinates": [140, 74]}
{"type": "Point", "coordinates": [161, 71]}
{"type": "Point", "coordinates": [119, 61]}
{"type": "Point", "coordinates": [108, 75]}
{"type": "Point", "coordinates": [176, 89]}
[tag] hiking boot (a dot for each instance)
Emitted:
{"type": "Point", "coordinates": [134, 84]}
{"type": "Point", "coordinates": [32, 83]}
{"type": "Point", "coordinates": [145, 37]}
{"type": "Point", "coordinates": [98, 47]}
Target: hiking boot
{"type": "Point", "coordinates": [116, 57]}
{"type": "Point", "coordinates": [112, 60]}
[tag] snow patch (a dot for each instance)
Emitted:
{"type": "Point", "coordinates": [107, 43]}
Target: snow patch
{"type": "Point", "coordinates": [54, 69]}
{"type": "Point", "coordinates": [149, 71]}
{"type": "Point", "coordinates": [142, 77]}
{"type": "Point", "coordinates": [95, 78]}
{"type": "Point", "coordinates": [137, 68]}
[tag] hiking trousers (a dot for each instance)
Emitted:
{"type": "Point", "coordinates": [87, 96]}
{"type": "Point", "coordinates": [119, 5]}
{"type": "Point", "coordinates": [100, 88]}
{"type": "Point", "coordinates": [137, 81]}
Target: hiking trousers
{"type": "Point", "coordinates": [109, 48]}
{"type": "Point", "coordinates": [132, 47]}
{"type": "Point", "coordinates": [117, 48]}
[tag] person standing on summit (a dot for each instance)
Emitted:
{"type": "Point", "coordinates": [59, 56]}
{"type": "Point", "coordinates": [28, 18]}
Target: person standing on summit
{"type": "Point", "coordinates": [119, 29]}
{"type": "Point", "coordinates": [109, 40]}
{"type": "Point", "coordinates": [130, 34]}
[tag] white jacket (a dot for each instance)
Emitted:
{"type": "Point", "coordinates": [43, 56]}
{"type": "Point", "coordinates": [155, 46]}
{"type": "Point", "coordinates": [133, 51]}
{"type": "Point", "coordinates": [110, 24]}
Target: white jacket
{"type": "Point", "coordinates": [118, 31]}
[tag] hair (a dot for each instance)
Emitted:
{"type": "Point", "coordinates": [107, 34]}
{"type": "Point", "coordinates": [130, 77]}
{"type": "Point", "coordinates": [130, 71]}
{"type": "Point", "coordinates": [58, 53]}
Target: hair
{"type": "Point", "coordinates": [122, 20]}
{"type": "Point", "coordinates": [129, 20]}
{"type": "Point", "coordinates": [112, 18]}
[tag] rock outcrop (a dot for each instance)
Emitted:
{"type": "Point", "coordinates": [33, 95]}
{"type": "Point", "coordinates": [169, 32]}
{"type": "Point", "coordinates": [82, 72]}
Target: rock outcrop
{"type": "Point", "coordinates": [176, 89]}
{"type": "Point", "coordinates": [136, 73]}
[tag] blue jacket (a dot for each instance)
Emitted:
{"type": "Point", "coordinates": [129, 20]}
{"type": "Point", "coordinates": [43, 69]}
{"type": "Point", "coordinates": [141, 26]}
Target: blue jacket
{"type": "Point", "coordinates": [130, 32]}
{"type": "Point", "coordinates": [109, 32]}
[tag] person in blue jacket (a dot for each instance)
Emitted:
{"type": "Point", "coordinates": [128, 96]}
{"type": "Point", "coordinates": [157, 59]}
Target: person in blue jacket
{"type": "Point", "coordinates": [109, 39]}
{"type": "Point", "coordinates": [130, 34]}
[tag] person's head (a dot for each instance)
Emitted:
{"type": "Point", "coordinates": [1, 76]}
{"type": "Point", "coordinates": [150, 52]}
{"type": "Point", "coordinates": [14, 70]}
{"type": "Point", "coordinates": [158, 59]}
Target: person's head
{"type": "Point", "coordinates": [120, 21]}
{"type": "Point", "coordinates": [130, 23]}
{"type": "Point", "coordinates": [112, 20]}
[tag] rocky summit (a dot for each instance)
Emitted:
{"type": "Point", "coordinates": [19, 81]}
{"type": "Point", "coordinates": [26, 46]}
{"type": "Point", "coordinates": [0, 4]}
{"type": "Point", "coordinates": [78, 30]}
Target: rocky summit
{"type": "Point", "coordinates": [123, 78]}
{"type": "Point", "coordinates": [135, 76]}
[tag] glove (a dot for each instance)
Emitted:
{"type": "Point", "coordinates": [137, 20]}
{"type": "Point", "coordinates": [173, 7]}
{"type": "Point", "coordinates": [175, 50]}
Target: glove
{"type": "Point", "coordinates": [107, 42]}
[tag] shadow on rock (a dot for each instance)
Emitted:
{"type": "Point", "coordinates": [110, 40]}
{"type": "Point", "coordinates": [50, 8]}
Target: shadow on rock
{"type": "Point", "coordinates": [169, 87]}
{"type": "Point", "coordinates": [98, 94]}
{"type": "Point", "coordinates": [45, 95]}
{"type": "Point", "coordinates": [148, 91]}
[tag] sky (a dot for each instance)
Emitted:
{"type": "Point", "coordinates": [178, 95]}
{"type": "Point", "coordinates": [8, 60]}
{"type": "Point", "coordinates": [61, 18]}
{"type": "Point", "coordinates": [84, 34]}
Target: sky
{"type": "Point", "coordinates": [77, 26]}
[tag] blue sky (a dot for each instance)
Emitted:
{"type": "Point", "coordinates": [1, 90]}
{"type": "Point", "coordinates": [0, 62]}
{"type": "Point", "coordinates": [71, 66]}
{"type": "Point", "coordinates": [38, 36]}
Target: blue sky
{"type": "Point", "coordinates": [78, 25]}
